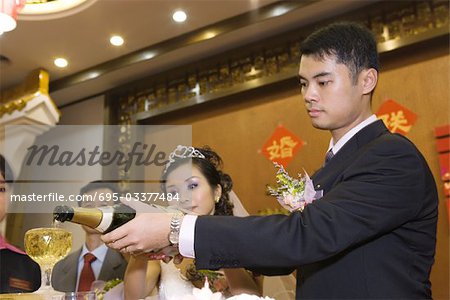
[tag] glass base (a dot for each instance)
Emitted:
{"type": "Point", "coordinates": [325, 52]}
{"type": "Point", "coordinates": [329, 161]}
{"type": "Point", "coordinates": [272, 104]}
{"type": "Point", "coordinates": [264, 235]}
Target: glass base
{"type": "Point", "coordinates": [80, 296]}
{"type": "Point", "coordinates": [48, 293]}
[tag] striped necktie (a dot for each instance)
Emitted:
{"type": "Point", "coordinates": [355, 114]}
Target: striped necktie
{"type": "Point", "coordinates": [329, 156]}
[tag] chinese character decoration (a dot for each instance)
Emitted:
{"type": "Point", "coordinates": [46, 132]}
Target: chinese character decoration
{"type": "Point", "coordinates": [442, 135]}
{"type": "Point", "coordinates": [282, 146]}
{"type": "Point", "coordinates": [397, 118]}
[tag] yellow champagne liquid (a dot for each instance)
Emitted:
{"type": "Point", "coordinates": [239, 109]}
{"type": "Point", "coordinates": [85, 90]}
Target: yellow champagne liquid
{"type": "Point", "coordinates": [47, 246]}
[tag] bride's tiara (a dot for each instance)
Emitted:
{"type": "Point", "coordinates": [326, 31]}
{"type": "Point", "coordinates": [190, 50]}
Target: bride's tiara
{"type": "Point", "coordinates": [182, 152]}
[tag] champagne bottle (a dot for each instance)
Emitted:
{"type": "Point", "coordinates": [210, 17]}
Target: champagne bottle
{"type": "Point", "coordinates": [103, 219]}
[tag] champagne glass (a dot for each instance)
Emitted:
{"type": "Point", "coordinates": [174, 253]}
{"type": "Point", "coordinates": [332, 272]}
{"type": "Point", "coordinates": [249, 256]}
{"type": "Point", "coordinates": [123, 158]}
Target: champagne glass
{"type": "Point", "coordinates": [79, 296]}
{"type": "Point", "coordinates": [47, 246]}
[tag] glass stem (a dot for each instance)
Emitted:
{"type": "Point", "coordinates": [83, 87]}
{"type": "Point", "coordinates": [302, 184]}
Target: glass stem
{"type": "Point", "coordinates": [46, 277]}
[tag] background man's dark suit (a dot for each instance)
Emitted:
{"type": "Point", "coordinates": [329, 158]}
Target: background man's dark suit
{"type": "Point", "coordinates": [64, 277]}
{"type": "Point", "coordinates": [372, 235]}
{"type": "Point", "coordinates": [18, 273]}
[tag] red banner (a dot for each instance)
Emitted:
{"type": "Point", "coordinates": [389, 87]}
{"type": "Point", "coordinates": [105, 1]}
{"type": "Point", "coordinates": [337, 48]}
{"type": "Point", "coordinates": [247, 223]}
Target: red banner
{"type": "Point", "coordinates": [396, 117]}
{"type": "Point", "coordinates": [282, 146]}
{"type": "Point", "coordinates": [442, 135]}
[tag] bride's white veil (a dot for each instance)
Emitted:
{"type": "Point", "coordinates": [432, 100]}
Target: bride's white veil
{"type": "Point", "coordinates": [277, 287]}
{"type": "Point", "coordinates": [238, 208]}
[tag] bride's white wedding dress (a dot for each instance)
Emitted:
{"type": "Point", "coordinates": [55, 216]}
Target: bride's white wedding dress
{"type": "Point", "coordinates": [171, 284]}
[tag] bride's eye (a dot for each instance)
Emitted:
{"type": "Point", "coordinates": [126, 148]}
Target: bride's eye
{"type": "Point", "coordinates": [192, 186]}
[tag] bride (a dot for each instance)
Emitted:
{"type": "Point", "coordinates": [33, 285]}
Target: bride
{"type": "Point", "coordinates": [192, 175]}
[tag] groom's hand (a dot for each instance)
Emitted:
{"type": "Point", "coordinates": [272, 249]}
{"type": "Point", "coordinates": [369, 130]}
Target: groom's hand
{"type": "Point", "coordinates": [148, 231]}
{"type": "Point", "coordinates": [166, 255]}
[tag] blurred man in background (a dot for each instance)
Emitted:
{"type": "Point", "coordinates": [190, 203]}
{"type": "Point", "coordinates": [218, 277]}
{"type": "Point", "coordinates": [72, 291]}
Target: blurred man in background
{"type": "Point", "coordinates": [93, 261]}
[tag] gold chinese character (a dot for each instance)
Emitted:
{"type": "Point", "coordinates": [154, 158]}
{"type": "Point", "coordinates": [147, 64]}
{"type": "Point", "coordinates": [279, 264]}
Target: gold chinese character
{"type": "Point", "coordinates": [282, 148]}
{"type": "Point", "coordinates": [274, 150]}
{"type": "Point", "coordinates": [446, 186]}
{"type": "Point", "coordinates": [399, 121]}
{"type": "Point", "coordinates": [287, 145]}
{"type": "Point", "coordinates": [396, 120]}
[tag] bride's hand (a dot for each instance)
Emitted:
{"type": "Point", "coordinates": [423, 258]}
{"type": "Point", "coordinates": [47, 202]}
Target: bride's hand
{"type": "Point", "coordinates": [166, 254]}
{"type": "Point", "coordinates": [177, 259]}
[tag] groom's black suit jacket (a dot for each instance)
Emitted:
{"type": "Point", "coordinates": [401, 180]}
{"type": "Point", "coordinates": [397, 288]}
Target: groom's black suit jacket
{"type": "Point", "coordinates": [372, 235]}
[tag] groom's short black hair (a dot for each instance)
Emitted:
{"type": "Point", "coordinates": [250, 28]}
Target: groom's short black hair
{"type": "Point", "coordinates": [351, 43]}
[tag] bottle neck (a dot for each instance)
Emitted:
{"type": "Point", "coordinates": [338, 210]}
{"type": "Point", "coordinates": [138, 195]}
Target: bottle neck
{"type": "Point", "coordinates": [87, 216]}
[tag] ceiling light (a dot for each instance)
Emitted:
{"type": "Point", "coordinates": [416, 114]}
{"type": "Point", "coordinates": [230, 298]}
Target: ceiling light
{"type": "Point", "coordinates": [61, 62]}
{"type": "Point", "coordinates": [52, 9]}
{"type": "Point", "coordinates": [7, 23]}
{"type": "Point", "coordinates": [148, 55]}
{"type": "Point", "coordinates": [179, 16]}
{"type": "Point", "coordinates": [209, 35]}
{"type": "Point", "coordinates": [93, 75]}
{"type": "Point", "coordinates": [116, 40]}
{"type": "Point", "coordinates": [280, 10]}
{"type": "Point", "coordinates": [8, 14]}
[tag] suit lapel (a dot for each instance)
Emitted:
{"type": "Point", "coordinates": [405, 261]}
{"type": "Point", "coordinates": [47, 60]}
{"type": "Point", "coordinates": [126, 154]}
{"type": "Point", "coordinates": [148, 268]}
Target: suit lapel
{"type": "Point", "coordinates": [325, 178]}
{"type": "Point", "coordinates": [69, 271]}
{"type": "Point", "coordinates": [113, 261]}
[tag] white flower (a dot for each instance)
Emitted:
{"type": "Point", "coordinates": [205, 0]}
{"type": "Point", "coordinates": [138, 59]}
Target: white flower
{"type": "Point", "coordinates": [203, 294]}
{"type": "Point", "coordinates": [310, 194]}
{"type": "Point", "coordinates": [248, 297]}
{"type": "Point", "coordinates": [206, 294]}
{"type": "Point", "coordinates": [290, 200]}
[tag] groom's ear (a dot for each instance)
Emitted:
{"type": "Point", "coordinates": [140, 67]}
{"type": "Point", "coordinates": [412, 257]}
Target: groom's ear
{"type": "Point", "coordinates": [369, 80]}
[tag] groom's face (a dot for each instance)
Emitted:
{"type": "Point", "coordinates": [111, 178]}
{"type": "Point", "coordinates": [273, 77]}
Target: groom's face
{"type": "Point", "coordinates": [332, 99]}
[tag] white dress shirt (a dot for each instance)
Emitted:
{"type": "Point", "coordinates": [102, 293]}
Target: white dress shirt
{"type": "Point", "coordinates": [346, 137]}
{"type": "Point", "coordinates": [186, 241]}
{"type": "Point", "coordinates": [100, 254]}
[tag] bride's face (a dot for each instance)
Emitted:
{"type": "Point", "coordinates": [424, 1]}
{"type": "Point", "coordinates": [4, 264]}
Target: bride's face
{"type": "Point", "coordinates": [193, 190]}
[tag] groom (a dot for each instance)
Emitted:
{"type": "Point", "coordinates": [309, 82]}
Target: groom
{"type": "Point", "coordinates": [371, 235]}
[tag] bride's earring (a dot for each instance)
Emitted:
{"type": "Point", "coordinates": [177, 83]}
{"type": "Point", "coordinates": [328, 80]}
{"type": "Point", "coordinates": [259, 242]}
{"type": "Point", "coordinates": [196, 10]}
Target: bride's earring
{"type": "Point", "coordinates": [217, 193]}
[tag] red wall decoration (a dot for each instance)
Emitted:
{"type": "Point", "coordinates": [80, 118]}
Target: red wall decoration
{"type": "Point", "coordinates": [442, 135]}
{"type": "Point", "coordinates": [282, 146]}
{"type": "Point", "coordinates": [396, 117]}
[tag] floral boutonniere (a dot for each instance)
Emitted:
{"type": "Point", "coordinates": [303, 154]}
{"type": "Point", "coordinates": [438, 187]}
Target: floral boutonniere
{"type": "Point", "coordinates": [103, 287]}
{"type": "Point", "coordinates": [198, 277]}
{"type": "Point", "coordinates": [293, 193]}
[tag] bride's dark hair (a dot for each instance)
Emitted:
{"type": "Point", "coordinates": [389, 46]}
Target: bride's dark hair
{"type": "Point", "coordinates": [210, 166]}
